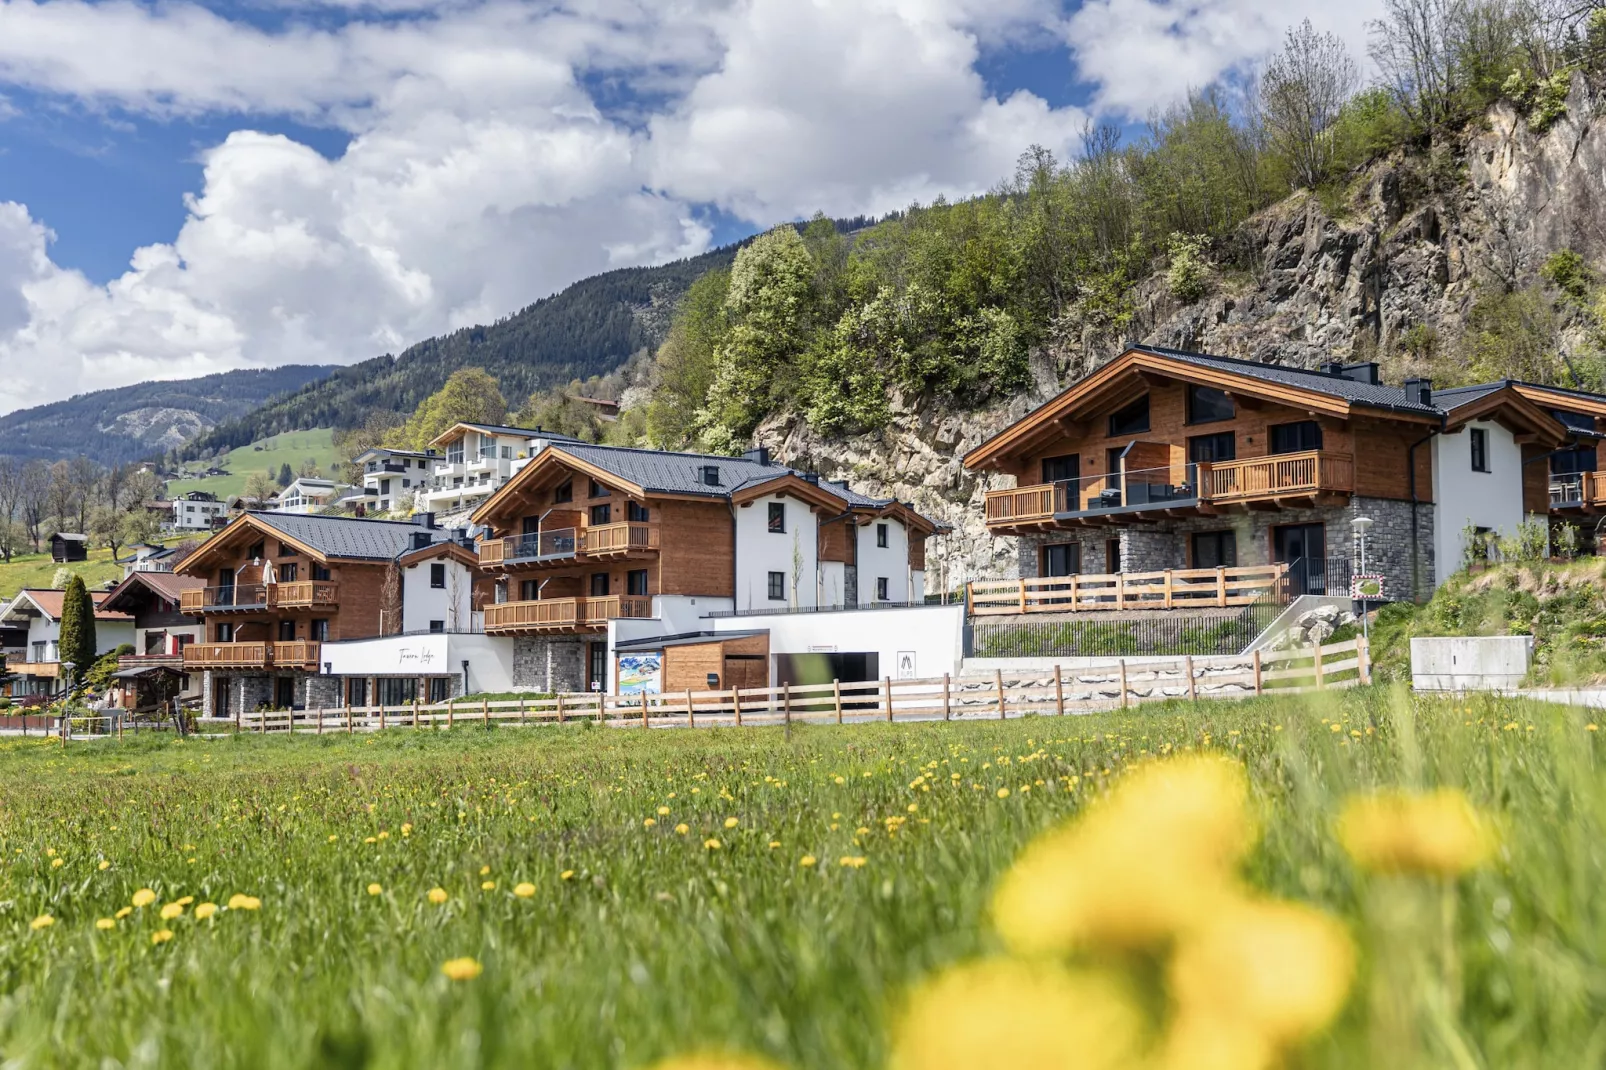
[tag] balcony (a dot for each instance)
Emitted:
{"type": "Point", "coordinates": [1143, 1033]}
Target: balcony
{"type": "Point", "coordinates": [297, 654]}
{"type": "Point", "coordinates": [260, 597]}
{"type": "Point", "coordinates": [1198, 488]}
{"type": "Point", "coordinates": [563, 614]}
{"type": "Point", "coordinates": [566, 545]}
{"type": "Point", "coordinates": [44, 670]}
{"type": "Point", "coordinates": [1584, 491]}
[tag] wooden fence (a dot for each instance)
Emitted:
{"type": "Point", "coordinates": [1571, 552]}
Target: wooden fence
{"type": "Point", "coordinates": [1115, 684]}
{"type": "Point", "coordinates": [1177, 588]}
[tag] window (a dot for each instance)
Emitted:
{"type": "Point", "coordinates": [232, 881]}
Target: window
{"type": "Point", "coordinates": [601, 514]}
{"type": "Point", "coordinates": [384, 486]}
{"type": "Point", "coordinates": [437, 575]}
{"type": "Point", "coordinates": [507, 453]}
{"type": "Point", "coordinates": [1295, 438]}
{"type": "Point", "coordinates": [38, 654]}
{"type": "Point", "coordinates": [881, 592]}
{"type": "Point", "coordinates": [598, 490]}
{"type": "Point", "coordinates": [256, 550]}
{"type": "Point", "coordinates": [320, 630]}
{"type": "Point", "coordinates": [440, 688]}
{"type": "Point", "coordinates": [710, 475]}
{"type": "Point", "coordinates": [599, 585]}
{"type": "Point", "coordinates": [289, 572]}
{"type": "Point", "coordinates": [454, 452]}
{"type": "Point", "coordinates": [529, 590]}
{"type": "Point", "coordinates": [284, 692]}
{"type": "Point", "coordinates": [320, 572]}
{"type": "Point", "coordinates": [436, 627]}
{"type": "Point", "coordinates": [636, 582]}
{"type": "Point", "coordinates": [1058, 469]}
{"type": "Point", "coordinates": [1571, 462]}
{"type": "Point", "coordinates": [357, 691]}
{"type": "Point", "coordinates": [1479, 438]}
{"type": "Point", "coordinates": [1207, 405]}
{"type": "Point", "coordinates": [777, 586]}
{"type": "Point", "coordinates": [223, 633]}
{"type": "Point", "coordinates": [1062, 559]}
{"type": "Point", "coordinates": [564, 493]}
{"type": "Point", "coordinates": [394, 691]}
{"type": "Point", "coordinates": [287, 631]}
{"type": "Point", "coordinates": [777, 519]}
{"type": "Point", "coordinates": [1112, 556]}
{"type": "Point", "coordinates": [638, 513]}
{"type": "Point", "coordinates": [1215, 549]}
{"type": "Point", "coordinates": [1132, 420]}
{"type": "Point", "coordinates": [881, 535]}
{"type": "Point", "coordinates": [1221, 446]}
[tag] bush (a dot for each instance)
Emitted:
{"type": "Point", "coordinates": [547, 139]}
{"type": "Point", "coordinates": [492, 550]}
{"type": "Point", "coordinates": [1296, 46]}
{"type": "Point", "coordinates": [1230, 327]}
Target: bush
{"type": "Point", "coordinates": [1528, 544]}
{"type": "Point", "coordinates": [1568, 272]}
{"type": "Point", "coordinates": [1189, 276]}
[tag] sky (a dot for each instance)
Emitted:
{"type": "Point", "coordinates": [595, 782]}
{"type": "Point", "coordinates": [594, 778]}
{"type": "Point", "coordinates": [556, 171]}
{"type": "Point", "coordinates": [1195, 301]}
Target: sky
{"type": "Point", "coordinates": [188, 188]}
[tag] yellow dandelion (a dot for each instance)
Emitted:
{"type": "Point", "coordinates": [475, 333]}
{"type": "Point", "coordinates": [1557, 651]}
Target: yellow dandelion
{"type": "Point", "coordinates": [438, 896]}
{"type": "Point", "coordinates": [43, 921]}
{"type": "Point", "coordinates": [1005, 1012]}
{"type": "Point", "coordinates": [715, 1061]}
{"type": "Point", "coordinates": [774, 844]}
{"type": "Point", "coordinates": [144, 897]}
{"type": "Point", "coordinates": [806, 861]}
{"type": "Point", "coordinates": [333, 837]}
{"type": "Point", "coordinates": [731, 822]}
{"type": "Point", "coordinates": [566, 874]}
{"type": "Point", "coordinates": [487, 886]}
{"type": "Point", "coordinates": [463, 969]}
{"type": "Point", "coordinates": [123, 913]}
{"type": "Point", "coordinates": [161, 936]}
{"type": "Point", "coordinates": [105, 923]}
{"type": "Point", "coordinates": [663, 811]}
{"type": "Point", "coordinates": [56, 863]}
{"type": "Point", "coordinates": [205, 910]}
{"type": "Point", "coordinates": [104, 865]}
{"type": "Point", "coordinates": [711, 844]}
{"type": "Point", "coordinates": [649, 822]}
{"type": "Point", "coordinates": [524, 889]}
{"type": "Point", "coordinates": [185, 901]}
{"type": "Point", "coordinates": [375, 889]}
{"type": "Point", "coordinates": [682, 828]}
{"type": "Point", "coordinates": [1003, 793]}
{"type": "Point", "coordinates": [1439, 832]}
{"type": "Point", "coordinates": [485, 871]}
{"type": "Point", "coordinates": [852, 861]}
{"type": "Point", "coordinates": [171, 911]}
{"type": "Point", "coordinates": [244, 902]}
{"type": "Point", "coordinates": [1196, 1043]}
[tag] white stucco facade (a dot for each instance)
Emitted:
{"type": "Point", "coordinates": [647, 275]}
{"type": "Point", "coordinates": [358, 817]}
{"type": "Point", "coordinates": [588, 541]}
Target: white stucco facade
{"type": "Point", "coordinates": [914, 643]}
{"type": "Point", "coordinates": [490, 659]}
{"type": "Point", "coordinates": [1487, 499]}
{"type": "Point", "coordinates": [759, 551]}
{"type": "Point", "coordinates": [426, 607]}
{"type": "Point", "coordinates": [889, 562]}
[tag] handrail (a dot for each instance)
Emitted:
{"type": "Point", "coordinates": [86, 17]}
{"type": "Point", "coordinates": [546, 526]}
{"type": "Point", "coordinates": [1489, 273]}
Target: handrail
{"type": "Point", "coordinates": [1281, 473]}
{"type": "Point", "coordinates": [560, 613]}
{"type": "Point", "coordinates": [621, 537]}
{"type": "Point", "coordinates": [1194, 588]}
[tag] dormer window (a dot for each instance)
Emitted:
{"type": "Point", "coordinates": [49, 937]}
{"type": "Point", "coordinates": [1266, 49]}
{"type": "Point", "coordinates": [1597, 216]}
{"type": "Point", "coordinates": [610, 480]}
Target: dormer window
{"type": "Point", "coordinates": [711, 475]}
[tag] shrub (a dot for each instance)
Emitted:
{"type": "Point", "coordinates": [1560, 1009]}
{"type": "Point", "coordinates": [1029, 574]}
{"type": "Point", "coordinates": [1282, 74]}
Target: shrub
{"type": "Point", "coordinates": [1529, 543]}
{"type": "Point", "coordinates": [1568, 272]}
{"type": "Point", "coordinates": [1189, 276]}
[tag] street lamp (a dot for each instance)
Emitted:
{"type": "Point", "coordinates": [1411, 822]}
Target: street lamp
{"type": "Point", "coordinates": [1362, 524]}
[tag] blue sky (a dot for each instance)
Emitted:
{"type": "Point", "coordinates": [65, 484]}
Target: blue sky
{"type": "Point", "coordinates": [313, 180]}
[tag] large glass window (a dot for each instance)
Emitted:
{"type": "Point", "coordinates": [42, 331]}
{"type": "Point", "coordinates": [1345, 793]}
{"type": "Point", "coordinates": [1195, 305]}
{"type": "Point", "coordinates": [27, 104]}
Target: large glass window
{"type": "Point", "coordinates": [1133, 419]}
{"type": "Point", "coordinates": [599, 585]}
{"type": "Point", "coordinates": [636, 582]}
{"type": "Point", "coordinates": [1062, 559]}
{"type": "Point", "coordinates": [1058, 469]}
{"type": "Point", "coordinates": [1206, 405]}
{"type": "Point", "coordinates": [1222, 446]}
{"type": "Point", "coordinates": [1295, 438]}
{"type": "Point", "coordinates": [1571, 462]}
{"type": "Point", "coordinates": [639, 513]}
{"type": "Point", "coordinates": [454, 452]}
{"type": "Point", "coordinates": [601, 514]}
{"type": "Point", "coordinates": [1215, 549]}
{"type": "Point", "coordinates": [397, 691]}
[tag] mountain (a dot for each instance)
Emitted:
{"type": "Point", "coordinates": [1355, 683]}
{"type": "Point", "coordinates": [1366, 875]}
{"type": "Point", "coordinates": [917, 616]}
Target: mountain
{"type": "Point", "coordinates": [131, 423]}
{"type": "Point", "coordinates": [590, 328]}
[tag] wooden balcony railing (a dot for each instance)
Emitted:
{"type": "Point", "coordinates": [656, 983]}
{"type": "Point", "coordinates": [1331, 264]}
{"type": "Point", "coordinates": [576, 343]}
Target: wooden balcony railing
{"type": "Point", "coordinates": [560, 614]}
{"type": "Point", "coordinates": [562, 545]}
{"type": "Point", "coordinates": [1252, 479]}
{"type": "Point", "coordinates": [300, 593]}
{"type": "Point", "coordinates": [298, 654]}
{"type": "Point", "coordinates": [620, 538]}
{"type": "Point", "coordinates": [295, 594]}
{"type": "Point", "coordinates": [1191, 588]}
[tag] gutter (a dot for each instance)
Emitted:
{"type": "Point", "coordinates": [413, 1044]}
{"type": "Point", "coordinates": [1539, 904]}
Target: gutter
{"type": "Point", "coordinates": [1416, 541]}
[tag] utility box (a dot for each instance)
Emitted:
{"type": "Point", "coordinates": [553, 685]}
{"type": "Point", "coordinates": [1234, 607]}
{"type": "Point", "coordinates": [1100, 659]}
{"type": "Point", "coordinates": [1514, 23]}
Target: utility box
{"type": "Point", "coordinates": [1470, 663]}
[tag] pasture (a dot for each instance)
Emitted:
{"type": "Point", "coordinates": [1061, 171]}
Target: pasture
{"type": "Point", "coordinates": [589, 897]}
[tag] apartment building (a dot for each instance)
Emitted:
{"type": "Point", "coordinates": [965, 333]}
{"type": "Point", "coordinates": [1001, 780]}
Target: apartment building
{"type": "Point", "coordinates": [195, 510]}
{"type": "Point", "coordinates": [391, 478]}
{"type": "Point", "coordinates": [476, 460]}
{"type": "Point", "coordinates": [1169, 459]}
{"type": "Point", "coordinates": [307, 495]}
{"type": "Point", "coordinates": [277, 586]}
{"type": "Point", "coordinates": [162, 630]}
{"type": "Point", "coordinates": [597, 545]}
{"type": "Point", "coordinates": [39, 671]}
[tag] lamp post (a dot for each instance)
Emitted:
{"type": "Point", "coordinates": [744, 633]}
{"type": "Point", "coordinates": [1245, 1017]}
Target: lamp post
{"type": "Point", "coordinates": [1362, 524]}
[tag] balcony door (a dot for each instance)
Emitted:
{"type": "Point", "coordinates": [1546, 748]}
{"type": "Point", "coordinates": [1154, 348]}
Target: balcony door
{"type": "Point", "coordinates": [1066, 470]}
{"type": "Point", "coordinates": [1303, 548]}
{"type": "Point", "coordinates": [225, 587]}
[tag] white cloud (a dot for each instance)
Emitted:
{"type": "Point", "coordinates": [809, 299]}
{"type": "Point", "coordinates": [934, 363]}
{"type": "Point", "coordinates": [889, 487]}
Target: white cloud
{"type": "Point", "coordinates": [502, 149]}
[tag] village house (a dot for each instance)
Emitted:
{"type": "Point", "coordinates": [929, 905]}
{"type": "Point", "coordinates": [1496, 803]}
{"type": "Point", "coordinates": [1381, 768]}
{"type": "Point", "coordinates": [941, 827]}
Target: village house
{"type": "Point", "coordinates": [39, 671]}
{"type": "Point", "coordinates": [391, 478]}
{"type": "Point", "coordinates": [196, 510]}
{"type": "Point", "coordinates": [307, 494]}
{"type": "Point", "coordinates": [476, 460]}
{"type": "Point", "coordinates": [1164, 459]}
{"type": "Point", "coordinates": [155, 671]}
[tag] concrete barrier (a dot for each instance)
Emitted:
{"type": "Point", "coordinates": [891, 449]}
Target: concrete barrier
{"type": "Point", "coordinates": [1470, 663]}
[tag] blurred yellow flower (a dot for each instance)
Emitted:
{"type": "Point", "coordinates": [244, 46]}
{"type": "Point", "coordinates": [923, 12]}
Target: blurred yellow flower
{"type": "Point", "coordinates": [1437, 832]}
{"type": "Point", "coordinates": [566, 874]}
{"type": "Point", "coordinates": [1281, 969]}
{"type": "Point", "coordinates": [244, 902]}
{"type": "Point", "coordinates": [852, 861]}
{"type": "Point", "coordinates": [171, 911]}
{"type": "Point", "coordinates": [57, 862]}
{"type": "Point", "coordinates": [161, 936]}
{"type": "Point", "coordinates": [806, 861]}
{"type": "Point", "coordinates": [731, 822]}
{"type": "Point", "coordinates": [205, 910]}
{"type": "Point", "coordinates": [463, 969]}
{"type": "Point", "coordinates": [1197, 1043]}
{"type": "Point", "coordinates": [649, 822]}
{"type": "Point", "coordinates": [711, 844]}
{"type": "Point", "coordinates": [715, 1061]}
{"type": "Point", "coordinates": [43, 921]}
{"type": "Point", "coordinates": [105, 923]}
{"type": "Point", "coordinates": [487, 886]}
{"type": "Point", "coordinates": [524, 890]}
{"type": "Point", "coordinates": [104, 865]}
{"type": "Point", "coordinates": [438, 896]}
{"type": "Point", "coordinates": [185, 901]}
{"type": "Point", "coordinates": [663, 811]}
{"type": "Point", "coordinates": [1003, 793]}
{"type": "Point", "coordinates": [375, 889]}
{"type": "Point", "coordinates": [682, 828]}
{"type": "Point", "coordinates": [144, 897]}
{"type": "Point", "coordinates": [1152, 859]}
{"type": "Point", "coordinates": [1009, 1013]}
{"type": "Point", "coordinates": [774, 844]}
{"type": "Point", "coordinates": [124, 912]}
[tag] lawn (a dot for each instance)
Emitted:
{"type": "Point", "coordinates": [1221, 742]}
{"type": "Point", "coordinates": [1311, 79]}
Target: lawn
{"type": "Point", "coordinates": [265, 455]}
{"type": "Point", "coordinates": [744, 889]}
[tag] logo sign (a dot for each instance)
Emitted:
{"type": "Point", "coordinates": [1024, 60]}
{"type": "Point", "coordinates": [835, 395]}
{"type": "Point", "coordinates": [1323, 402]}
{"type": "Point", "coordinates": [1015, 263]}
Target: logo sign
{"type": "Point", "coordinates": [1366, 588]}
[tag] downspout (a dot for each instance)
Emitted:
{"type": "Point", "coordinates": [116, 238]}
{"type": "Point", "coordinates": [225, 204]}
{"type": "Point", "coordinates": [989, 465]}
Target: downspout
{"type": "Point", "coordinates": [1416, 542]}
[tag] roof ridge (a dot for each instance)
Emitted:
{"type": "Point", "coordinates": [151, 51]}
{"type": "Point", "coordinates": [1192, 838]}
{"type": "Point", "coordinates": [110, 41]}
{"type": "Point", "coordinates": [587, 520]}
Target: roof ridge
{"type": "Point", "coordinates": [681, 453]}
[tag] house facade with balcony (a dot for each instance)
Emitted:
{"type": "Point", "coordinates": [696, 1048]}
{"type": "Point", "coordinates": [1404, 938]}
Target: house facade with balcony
{"type": "Point", "coordinates": [585, 538]}
{"type": "Point", "coordinates": [477, 460]}
{"type": "Point", "coordinates": [39, 670]}
{"type": "Point", "coordinates": [391, 479]}
{"type": "Point", "coordinates": [277, 586]}
{"type": "Point", "coordinates": [155, 671]}
{"type": "Point", "coordinates": [1164, 459]}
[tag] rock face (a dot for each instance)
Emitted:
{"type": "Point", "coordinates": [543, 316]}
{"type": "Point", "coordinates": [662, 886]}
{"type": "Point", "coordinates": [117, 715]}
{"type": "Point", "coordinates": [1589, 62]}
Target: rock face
{"type": "Point", "coordinates": [1401, 264]}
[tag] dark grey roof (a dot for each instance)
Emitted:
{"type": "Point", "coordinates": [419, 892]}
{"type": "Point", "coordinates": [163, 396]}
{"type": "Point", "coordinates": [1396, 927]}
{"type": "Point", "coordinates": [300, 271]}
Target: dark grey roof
{"type": "Point", "coordinates": [1374, 396]}
{"type": "Point", "coordinates": [341, 536]}
{"type": "Point", "coordinates": [527, 432]}
{"type": "Point", "coordinates": [1456, 396]}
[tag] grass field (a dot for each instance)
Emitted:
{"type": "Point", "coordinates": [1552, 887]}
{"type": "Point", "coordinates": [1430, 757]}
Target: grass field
{"type": "Point", "coordinates": [632, 896]}
{"type": "Point", "coordinates": [291, 447]}
{"type": "Point", "coordinates": [37, 570]}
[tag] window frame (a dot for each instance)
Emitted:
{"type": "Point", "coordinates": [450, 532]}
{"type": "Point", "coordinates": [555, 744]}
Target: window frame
{"type": "Point", "coordinates": [775, 519]}
{"type": "Point", "coordinates": [1196, 391]}
{"type": "Point", "coordinates": [563, 492]}
{"type": "Point", "coordinates": [883, 536]}
{"type": "Point", "coordinates": [632, 583]}
{"type": "Point", "coordinates": [1297, 427]}
{"type": "Point", "coordinates": [1478, 442]}
{"type": "Point", "coordinates": [1211, 440]}
{"type": "Point", "coordinates": [1220, 538]}
{"type": "Point", "coordinates": [777, 587]}
{"type": "Point", "coordinates": [883, 589]}
{"type": "Point", "coordinates": [437, 575]}
{"type": "Point", "coordinates": [1130, 411]}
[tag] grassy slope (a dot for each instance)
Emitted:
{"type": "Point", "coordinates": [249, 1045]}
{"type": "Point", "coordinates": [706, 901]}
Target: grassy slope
{"type": "Point", "coordinates": [291, 447]}
{"type": "Point", "coordinates": [37, 570]}
{"type": "Point", "coordinates": [656, 944]}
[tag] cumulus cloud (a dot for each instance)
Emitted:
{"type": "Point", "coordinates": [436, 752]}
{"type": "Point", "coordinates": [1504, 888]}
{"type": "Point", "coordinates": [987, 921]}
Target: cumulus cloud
{"type": "Point", "coordinates": [500, 150]}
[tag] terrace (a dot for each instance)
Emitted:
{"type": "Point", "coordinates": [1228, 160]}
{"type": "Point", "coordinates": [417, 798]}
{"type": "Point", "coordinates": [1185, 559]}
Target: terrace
{"type": "Point", "coordinates": [296, 654]}
{"type": "Point", "coordinates": [564, 545]}
{"type": "Point", "coordinates": [1583, 491]}
{"type": "Point", "coordinates": [563, 614]}
{"type": "Point", "coordinates": [1287, 479]}
{"type": "Point", "coordinates": [259, 597]}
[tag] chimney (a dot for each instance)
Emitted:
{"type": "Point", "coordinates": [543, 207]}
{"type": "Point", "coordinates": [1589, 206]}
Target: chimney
{"type": "Point", "coordinates": [812, 477]}
{"type": "Point", "coordinates": [758, 455]}
{"type": "Point", "coordinates": [1419, 391]}
{"type": "Point", "coordinates": [424, 520]}
{"type": "Point", "coordinates": [421, 539]}
{"type": "Point", "coordinates": [1361, 372]}
{"type": "Point", "coordinates": [1333, 367]}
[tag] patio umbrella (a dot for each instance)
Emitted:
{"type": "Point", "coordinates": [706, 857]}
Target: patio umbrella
{"type": "Point", "coordinates": [269, 573]}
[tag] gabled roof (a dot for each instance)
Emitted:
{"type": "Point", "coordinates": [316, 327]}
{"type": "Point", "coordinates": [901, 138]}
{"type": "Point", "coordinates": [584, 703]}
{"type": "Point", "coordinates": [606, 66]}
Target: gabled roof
{"type": "Point", "coordinates": [168, 585]}
{"type": "Point", "coordinates": [456, 431]}
{"type": "Point", "coordinates": [323, 537]}
{"type": "Point", "coordinates": [387, 451]}
{"type": "Point", "coordinates": [1501, 403]}
{"type": "Point", "coordinates": [70, 536]}
{"type": "Point", "coordinates": [48, 602]}
{"type": "Point", "coordinates": [1367, 395]}
{"type": "Point", "coordinates": [444, 548]}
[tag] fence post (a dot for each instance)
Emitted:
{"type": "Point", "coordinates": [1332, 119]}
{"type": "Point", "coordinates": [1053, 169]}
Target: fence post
{"type": "Point", "coordinates": [521, 708]}
{"type": "Point", "coordinates": [1059, 692]}
{"type": "Point", "coordinates": [1076, 598]}
{"type": "Point", "coordinates": [415, 709]}
{"type": "Point", "coordinates": [119, 726]}
{"type": "Point", "coordinates": [836, 691]}
{"type": "Point", "coordinates": [998, 682]}
{"type": "Point", "coordinates": [947, 709]}
{"type": "Point", "coordinates": [236, 721]}
{"type": "Point", "coordinates": [691, 711]}
{"type": "Point", "coordinates": [1193, 694]}
{"type": "Point", "coordinates": [1221, 586]}
{"type": "Point", "coordinates": [1168, 588]}
{"type": "Point", "coordinates": [320, 720]}
{"type": "Point", "coordinates": [560, 707]}
{"type": "Point", "coordinates": [1363, 659]}
{"type": "Point", "coordinates": [886, 685]}
{"type": "Point", "coordinates": [349, 719]}
{"type": "Point", "coordinates": [786, 708]}
{"type": "Point", "coordinates": [1120, 590]}
{"type": "Point", "coordinates": [485, 712]}
{"type": "Point", "coordinates": [450, 712]}
{"type": "Point", "coordinates": [1022, 595]}
{"type": "Point", "coordinates": [644, 709]}
{"type": "Point", "coordinates": [736, 704]}
{"type": "Point", "coordinates": [1316, 652]}
{"type": "Point", "coordinates": [1257, 672]}
{"type": "Point", "coordinates": [1123, 683]}
{"type": "Point", "coordinates": [381, 718]}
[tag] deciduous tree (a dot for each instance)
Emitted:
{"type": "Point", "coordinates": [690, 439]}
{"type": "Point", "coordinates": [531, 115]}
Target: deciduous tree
{"type": "Point", "coordinates": [1302, 91]}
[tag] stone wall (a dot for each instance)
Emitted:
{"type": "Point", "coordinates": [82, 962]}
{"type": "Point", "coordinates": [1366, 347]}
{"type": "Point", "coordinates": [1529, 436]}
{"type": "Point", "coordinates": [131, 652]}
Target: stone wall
{"type": "Point", "coordinates": [543, 664]}
{"type": "Point", "coordinates": [322, 692]}
{"type": "Point", "coordinates": [246, 692]}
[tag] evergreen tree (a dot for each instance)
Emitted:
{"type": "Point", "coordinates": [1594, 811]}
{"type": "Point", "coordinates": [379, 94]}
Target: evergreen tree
{"type": "Point", "coordinates": [286, 477]}
{"type": "Point", "coordinates": [77, 643]}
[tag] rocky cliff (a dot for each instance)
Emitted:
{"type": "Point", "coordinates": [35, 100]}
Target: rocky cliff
{"type": "Point", "coordinates": [1389, 270]}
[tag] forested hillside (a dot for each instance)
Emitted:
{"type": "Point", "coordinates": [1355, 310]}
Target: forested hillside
{"type": "Point", "coordinates": [130, 423]}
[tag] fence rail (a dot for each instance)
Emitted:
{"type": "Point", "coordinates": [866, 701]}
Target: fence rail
{"type": "Point", "coordinates": [1192, 588]}
{"type": "Point", "coordinates": [1116, 684]}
